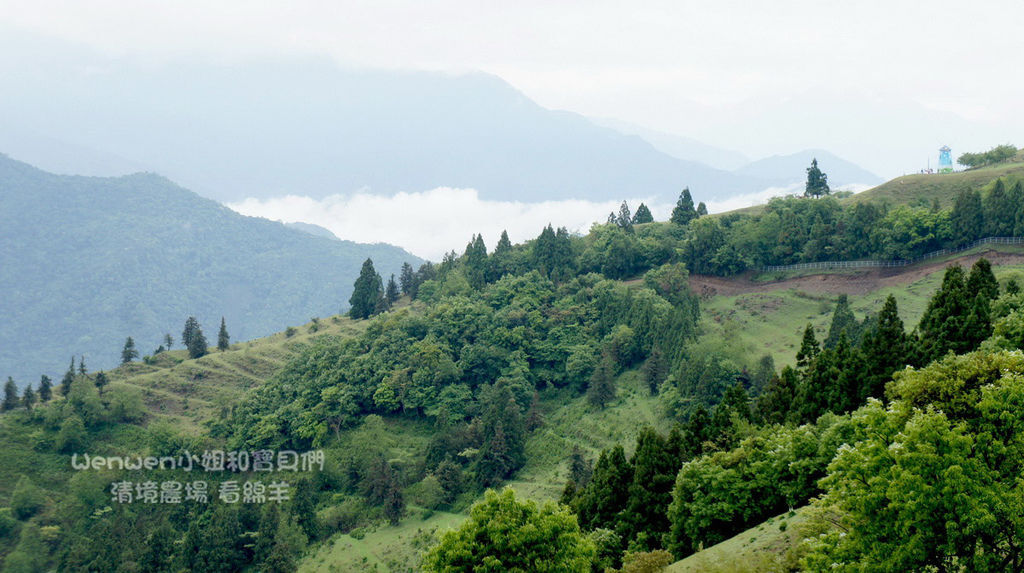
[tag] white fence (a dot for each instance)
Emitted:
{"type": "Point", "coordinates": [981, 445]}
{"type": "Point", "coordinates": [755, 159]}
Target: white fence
{"type": "Point", "coordinates": [882, 264]}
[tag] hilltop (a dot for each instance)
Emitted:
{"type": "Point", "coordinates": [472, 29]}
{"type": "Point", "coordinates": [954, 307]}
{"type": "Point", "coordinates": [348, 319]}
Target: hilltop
{"type": "Point", "coordinates": [89, 261]}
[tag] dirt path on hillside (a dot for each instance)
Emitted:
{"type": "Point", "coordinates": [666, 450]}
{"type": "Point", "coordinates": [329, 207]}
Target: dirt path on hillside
{"type": "Point", "coordinates": [856, 282]}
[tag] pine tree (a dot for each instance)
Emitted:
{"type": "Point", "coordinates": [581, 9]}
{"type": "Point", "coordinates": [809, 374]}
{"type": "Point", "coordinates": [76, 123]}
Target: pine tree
{"type": "Point", "coordinates": [650, 490]}
{"type": "Point", "coordinates": [391, 293]}
{"type": "Point", "coordinates": [11, 400]}
{"type": "Point", "coordinates": [580, 471]}
{"type": "Point", "coordinates": [967, 218]}
{"type": "Point", "coordinates": [504, 244]}
{"type": "Point", "coordinates": [642, 215]}
{"type": "Point", "coordinates": [698, 432]}
{"type": "Point", "coordinates": [999, 211]}
{"type": "Point", "coordinates": [655, 370]}
{"type": "Point", "coordinates": [942, 325]}
{"type": "Point", "coordinates": [817, 182]}
{"type": "Point", "coordinates": [775, 403]}
{"type": "Point", "coordinates": [885, 349]}
{"type": "Point", "coordinates": [702, 209]}
{"type": "Point", "coordinates": [808, 349]}
{"type": "Point", "coordinates": [168, 340]}
{"type": "Point", "coordinates": [683, 212]}
{"type": "Point", "coordinates": [45, 389]}
{"type": "Point", "coordinates": [81, 366]}
{"type": "Point", "coordinates": [600, 503]}
{"type": "Point", "coordinates": [129, 353]}
{"type": "Point", "coordinates": [476, 261]}
{"type": "Point", "coordinates": [193, 339]}
{"type": "Point", "coordinates": [842, 321]}
{"type": "Point", "coordinates": [28, 398]}
{"type": "Point", "coordinates": [978, 323]}
{"type": "Point", "coordinates": [602, 382]}
{"type": "Point", "coordinates": [223, 339]}
{"type": "Point", "coordinates": [366, 292]}
{"type": "Point", "coordinates": [69, 377]}
{"type": "Point", "coordinates": [624, 220]}
{"type": "Point", "coordinates": [406, 279]}
{"type": "Point", "coordinates": [981, 280]}
{"type": "Point", "coordinates": [101, 381]}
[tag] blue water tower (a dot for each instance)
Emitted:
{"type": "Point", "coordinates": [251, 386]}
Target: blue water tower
{"type": "Point", "coordinates": [945, 159]}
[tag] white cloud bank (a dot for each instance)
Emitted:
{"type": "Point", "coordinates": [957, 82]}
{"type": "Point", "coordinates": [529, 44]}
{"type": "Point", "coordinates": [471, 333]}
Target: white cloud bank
{"type": "Point", "coordinates": [431, 223]}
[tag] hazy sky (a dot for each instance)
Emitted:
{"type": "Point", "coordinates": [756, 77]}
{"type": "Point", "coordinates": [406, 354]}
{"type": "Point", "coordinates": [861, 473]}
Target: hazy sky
{"type": "Point", "coordinates": [874, 81]}
{"type": "Point", "coordinates": [881, 83]}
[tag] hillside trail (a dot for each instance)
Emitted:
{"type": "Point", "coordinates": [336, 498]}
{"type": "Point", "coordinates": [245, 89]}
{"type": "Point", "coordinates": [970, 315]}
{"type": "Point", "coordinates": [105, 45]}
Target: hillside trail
{"type": "Point", "coordinates": [851, 283]}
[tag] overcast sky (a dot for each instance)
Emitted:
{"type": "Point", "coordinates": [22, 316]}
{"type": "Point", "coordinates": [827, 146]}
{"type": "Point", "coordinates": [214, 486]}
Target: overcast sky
{"type": "Point", "coordinates": [881, 83]}
{"type": "Point", "coordinates": [693, 68]}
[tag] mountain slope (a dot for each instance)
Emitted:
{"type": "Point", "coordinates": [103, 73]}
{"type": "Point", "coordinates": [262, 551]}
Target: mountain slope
{"type": "Point", "coordinates": [86, 262]}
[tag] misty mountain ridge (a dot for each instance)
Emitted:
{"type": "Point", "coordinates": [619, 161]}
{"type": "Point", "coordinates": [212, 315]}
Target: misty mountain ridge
{"type": "Point", "coordinates": [309, 127]}
{"type": "Point", "coordinates": [87, 261]}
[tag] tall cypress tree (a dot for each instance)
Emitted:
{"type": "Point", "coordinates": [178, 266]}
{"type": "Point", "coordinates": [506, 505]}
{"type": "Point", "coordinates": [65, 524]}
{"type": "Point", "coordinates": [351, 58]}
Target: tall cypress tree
{"type": "Point", "coordinates": [476, 261]}
{"type": "Point", "coordinates": [101, 381]}
{"type": "Point", "coordinates": [366, 292]}
{"type": "Point", "coordinates": [69, 377]}
{"type": "Point", "coordinates": [642, 215]}
{"type": "Point", "coordinates": [942, 325]}
{"type": "Point", "coordinates": [223, 339]}
{"type": "Point", "coordinates": [45, 389]}
{"type": "Point", "coordinates": [999, 211]}
{"type": "Point", "coordinates": [885, 349]}
{"type": "Point", "coordinates": [391, 293]}
{"type": "Point", "coordinates": [28, 399]}
{"type": "Point", "coordinates": [808, 348]}
{"type": "Point", "coordinates": [842, 321]}
{"type": "Point", "coordinates": [129, 352]}
{"type": "Point", "coordinates": [193, 339]}
{"type": "Point", "coordinates": [650, 491]}
{"type": "Point", "coordinates": [605, 497]}
{"type": "Point", "coordinates": [702, 209]}
{"type": "Point", "coordinates": [981, 280]}
{"type": "Point", "coordinates": [602, 382]}
{"type": "Point", "coordinates": [967, 219]}
{"type": "Point", "coordinates": [406, 278]}
{"type": "Point", "coordinates": [817, 181]}
{"type": "Point", "coordinates": [11, 400]}
{"type": "Point", "coordinates": [624, 220]}
{"type": "Point", "coordinates": [683, 212]}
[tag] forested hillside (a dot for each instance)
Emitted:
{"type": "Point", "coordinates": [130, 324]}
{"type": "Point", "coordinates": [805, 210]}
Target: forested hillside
{"type": "Point", "coordinates": [578, 371]}
{"type": "Point", "coordinates": [86, 262]}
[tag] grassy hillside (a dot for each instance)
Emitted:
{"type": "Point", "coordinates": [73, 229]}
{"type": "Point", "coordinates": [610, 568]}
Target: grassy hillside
{"type": "Point", "coordinates": [922, 189]}
{"type": "Point", "coordinates": [87, 261]}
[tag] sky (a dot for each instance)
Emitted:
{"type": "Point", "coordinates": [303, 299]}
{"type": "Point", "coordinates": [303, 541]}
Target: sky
{"type": "Point", "coordinates": [880, 83]}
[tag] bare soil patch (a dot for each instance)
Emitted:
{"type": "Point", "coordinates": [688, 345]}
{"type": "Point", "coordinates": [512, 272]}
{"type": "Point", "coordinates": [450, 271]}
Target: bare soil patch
{"type": "Point", "coordinates": [851, 283]}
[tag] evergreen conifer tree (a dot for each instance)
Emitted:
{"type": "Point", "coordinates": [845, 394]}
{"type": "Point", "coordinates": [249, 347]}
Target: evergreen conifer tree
{"type": "Point", "coordinates": [69, 377]}
{"type": "Point", "coordinates": [683, 212]}
{"type": "Point", "coordinates": [223, 339]}
{"type": "Point", "coordinates": [366, 292]}
{"type": "Point", "coordinates": [392, 293]}
{"type": "Point", "coordinates": [168, 340]}
{"type": "Point", "coordinates": [11, 400]}
{"type": "Point", "coordinates": [808, 348]}
{"type": "Point", "coordinates": [624, 220]}
{"type": "Point", "coordinates": [406, 279]}
{"type": "Point", "coordinates": [81, 366]}
{"type": "Point", "coordinates": [698, 431]}
{"type": "Point", "coordinates": [817, 182]}
{"type": "Point", "coordinates": [999, 211]}
{"type": "Point", "coordinates": [129, 353]}
{"type": "Point", "coordinates": [602, 382]}
{"type": "Point", "coordinates": [600, 503]}
{"type": "Point", "coordinates": [193, 339]}
{"type": "Point", "coordinates": [885, 349]}
{"type": "Point", "coordinates": [942, 325]}
{"type": "Point", "coordinates": [650, 490]}
{"type": "Point", "coordinates": [655, 370]}
{"type": "Point", "coordinates": [774, 404]}
{"type": "Point", "coordinates": [842, 321]}
{"type": "Point", "coordinates": [45, 389]}
{"type": "Point", "coordinates": [476, 262]}
{"type": "Point", "coordinates": [967, 218]}
{"type": "Point", "coordinates": [981, 280]}
{"type": "Point", "coordinates": [642, 215]}
{"type": "Point", "coordinates": [702, 209]}
{"type": "Point", "coordinates": [101, 381]}
{"type": "Point", "coordinates": [28, 398]}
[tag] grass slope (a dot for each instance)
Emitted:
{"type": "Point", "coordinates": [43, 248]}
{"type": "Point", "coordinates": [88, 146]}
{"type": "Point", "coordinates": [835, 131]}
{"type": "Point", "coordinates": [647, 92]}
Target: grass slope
{"type": "Point", "coordinates": [756, 549]}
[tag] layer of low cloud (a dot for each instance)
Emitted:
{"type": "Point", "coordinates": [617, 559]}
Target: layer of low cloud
{"type": "Point", "coordinates": [431, 223]}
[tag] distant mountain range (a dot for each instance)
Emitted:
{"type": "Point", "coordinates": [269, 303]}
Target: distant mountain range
{"type": "Point", "coordinates": [309, 127]}
{"type": "Point", "coordinates": [86, 262]}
